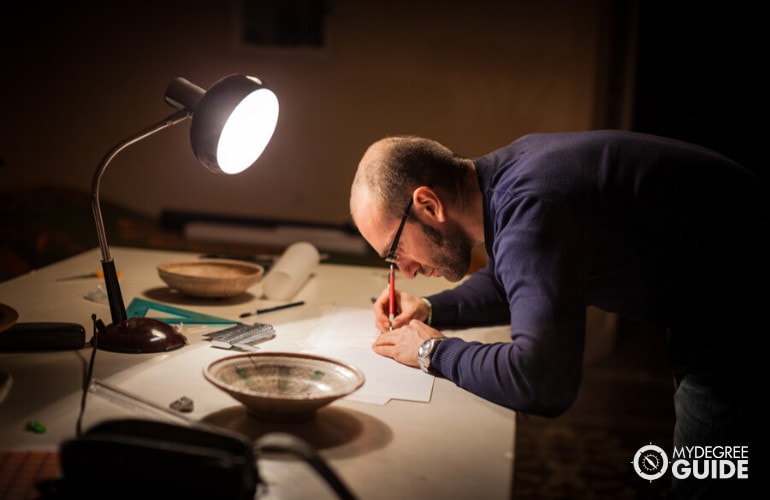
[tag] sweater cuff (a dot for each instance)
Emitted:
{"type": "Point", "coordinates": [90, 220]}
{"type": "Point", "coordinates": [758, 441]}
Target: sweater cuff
{"type": "Point", "coordinates": [430, 310]}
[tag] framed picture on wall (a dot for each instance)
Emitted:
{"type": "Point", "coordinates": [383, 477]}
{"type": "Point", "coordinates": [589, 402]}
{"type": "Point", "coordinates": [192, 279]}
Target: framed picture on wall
{"type": "Point", "coordinates": [299, 26]}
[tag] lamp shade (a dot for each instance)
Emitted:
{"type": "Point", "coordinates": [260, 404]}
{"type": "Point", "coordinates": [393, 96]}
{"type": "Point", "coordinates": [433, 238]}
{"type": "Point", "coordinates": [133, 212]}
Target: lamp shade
{"type": "Point", "coordinates": [232, 122]}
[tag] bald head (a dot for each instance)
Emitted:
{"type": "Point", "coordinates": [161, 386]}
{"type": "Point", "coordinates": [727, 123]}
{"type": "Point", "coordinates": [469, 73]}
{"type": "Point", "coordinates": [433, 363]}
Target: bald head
{"type": "Point", "coordinates": [393, 167]}
{"type": "Point", "coordinates": [365, 190]}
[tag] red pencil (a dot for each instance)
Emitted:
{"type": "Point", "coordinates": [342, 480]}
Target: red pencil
{"type": "Point", "coordinates": [392, 292]}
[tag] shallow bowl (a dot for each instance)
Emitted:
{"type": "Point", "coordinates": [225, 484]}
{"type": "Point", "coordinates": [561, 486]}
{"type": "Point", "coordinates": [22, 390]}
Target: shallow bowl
{"type": "Point", "coordinates": [283, 387]}
{"type": "Point", "coordinates": [211, 278]}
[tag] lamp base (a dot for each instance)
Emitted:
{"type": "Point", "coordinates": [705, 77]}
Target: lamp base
{"type": "Point", "coordinates": [140, 335]}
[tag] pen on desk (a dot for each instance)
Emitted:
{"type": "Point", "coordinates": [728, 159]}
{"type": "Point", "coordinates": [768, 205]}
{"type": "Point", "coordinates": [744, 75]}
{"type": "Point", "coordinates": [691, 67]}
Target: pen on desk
{"type": "Point", "coordinates": [271, 309]}
{"type": "Point", "coordinates": [392, 296]}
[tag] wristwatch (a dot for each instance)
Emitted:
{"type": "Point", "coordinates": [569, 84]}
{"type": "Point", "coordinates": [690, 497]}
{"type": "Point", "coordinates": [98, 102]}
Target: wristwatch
{"type": "Point", "coordinates": [424, 353]}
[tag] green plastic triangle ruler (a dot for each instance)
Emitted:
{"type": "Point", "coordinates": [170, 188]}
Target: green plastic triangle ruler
{"type": "Point", "coordinates": [140, 308]}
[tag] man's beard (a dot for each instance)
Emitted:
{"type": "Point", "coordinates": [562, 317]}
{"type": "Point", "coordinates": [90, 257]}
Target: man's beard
{"type": "Point", "coordinates": [451, 250]}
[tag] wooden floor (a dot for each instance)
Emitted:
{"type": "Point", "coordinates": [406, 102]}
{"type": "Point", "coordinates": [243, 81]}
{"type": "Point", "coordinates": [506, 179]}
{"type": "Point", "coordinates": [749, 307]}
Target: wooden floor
{"type": "Point", "coordinates": [20, 471]}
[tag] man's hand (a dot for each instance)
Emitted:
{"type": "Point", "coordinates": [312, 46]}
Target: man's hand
{"type": "Point", "coordinates": [402, 343]}
{"type": "Point", "coordinates": [408, 307]}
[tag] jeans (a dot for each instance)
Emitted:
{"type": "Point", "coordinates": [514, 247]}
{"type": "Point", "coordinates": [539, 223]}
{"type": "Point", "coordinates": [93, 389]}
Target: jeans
{"type": "Point", "coordinates": [718, 410]}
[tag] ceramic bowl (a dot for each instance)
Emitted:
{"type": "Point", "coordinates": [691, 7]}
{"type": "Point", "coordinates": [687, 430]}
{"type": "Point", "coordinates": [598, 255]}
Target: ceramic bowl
{"type": "Point", "coordinates": [283, 387]}
{"type": "Point", "coordinates": [211, 278]}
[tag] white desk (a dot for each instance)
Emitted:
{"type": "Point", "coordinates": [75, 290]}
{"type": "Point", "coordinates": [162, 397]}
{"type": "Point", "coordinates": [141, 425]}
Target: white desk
{"type": "Point", "coordinates": [456, 446]}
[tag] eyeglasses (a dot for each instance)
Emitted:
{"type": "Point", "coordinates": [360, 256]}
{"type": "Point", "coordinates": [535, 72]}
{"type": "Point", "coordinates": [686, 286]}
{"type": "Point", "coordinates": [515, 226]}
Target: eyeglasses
{"type": "Point", "coordinates": [391, 255]}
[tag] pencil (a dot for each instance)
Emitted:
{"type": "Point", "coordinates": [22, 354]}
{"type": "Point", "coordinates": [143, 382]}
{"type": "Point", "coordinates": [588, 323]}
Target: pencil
{"type": "Point", "coordinates": [392, 295]}
{"type": "Point", "coordinates": [274, 308]}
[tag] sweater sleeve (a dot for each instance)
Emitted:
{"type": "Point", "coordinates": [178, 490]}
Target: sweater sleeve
{"type": "Point", "coordinates": [480, 300]}
{"type": "Point", "coordinates": [534, 282]}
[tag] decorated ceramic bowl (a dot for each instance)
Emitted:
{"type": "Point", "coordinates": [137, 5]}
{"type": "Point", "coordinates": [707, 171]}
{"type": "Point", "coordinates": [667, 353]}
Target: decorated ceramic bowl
{"type": "Point", "coordinates": [279, 386]}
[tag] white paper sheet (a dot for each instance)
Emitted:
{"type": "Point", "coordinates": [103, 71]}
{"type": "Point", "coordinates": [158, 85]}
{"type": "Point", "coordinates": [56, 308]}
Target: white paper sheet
{"type": "Point", "coordinates": [347, 334]}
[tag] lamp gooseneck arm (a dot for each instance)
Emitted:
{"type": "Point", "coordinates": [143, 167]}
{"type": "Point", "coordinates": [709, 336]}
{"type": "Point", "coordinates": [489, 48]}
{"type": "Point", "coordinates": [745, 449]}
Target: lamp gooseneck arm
{"type": "Point", "coordinates": [117, 309]}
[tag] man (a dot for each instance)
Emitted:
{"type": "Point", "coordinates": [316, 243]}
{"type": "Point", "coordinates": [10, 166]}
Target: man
{"type": "Point", "coordinates": [657, 230]}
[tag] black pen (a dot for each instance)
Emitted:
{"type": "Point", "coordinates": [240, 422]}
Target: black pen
{"type": "Point", "coordinates": [271, 309]}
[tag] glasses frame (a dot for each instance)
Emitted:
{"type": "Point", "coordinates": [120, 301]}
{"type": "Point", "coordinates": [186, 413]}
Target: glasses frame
{"type": "Point", "coordinates": [390, 257]}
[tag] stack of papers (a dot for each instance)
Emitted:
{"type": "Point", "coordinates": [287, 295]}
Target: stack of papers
{"type": "Point", "coordinates": [347, 334]}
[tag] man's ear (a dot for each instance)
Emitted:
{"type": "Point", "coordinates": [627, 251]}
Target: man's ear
{"type": "Point", "coordinates": [428, 203]}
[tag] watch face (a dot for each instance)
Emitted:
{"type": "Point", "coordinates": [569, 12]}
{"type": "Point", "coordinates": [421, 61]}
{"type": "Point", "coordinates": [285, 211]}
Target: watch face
{"type": "Point", "coordinates": [423, 354]}
{"type": "Point", "coordinates": [426, 348]}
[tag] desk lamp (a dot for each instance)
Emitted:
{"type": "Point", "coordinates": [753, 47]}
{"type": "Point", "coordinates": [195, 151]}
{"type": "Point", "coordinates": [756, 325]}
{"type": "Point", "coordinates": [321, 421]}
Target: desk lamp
{"type": "Point", "coordinates": [232, 124]}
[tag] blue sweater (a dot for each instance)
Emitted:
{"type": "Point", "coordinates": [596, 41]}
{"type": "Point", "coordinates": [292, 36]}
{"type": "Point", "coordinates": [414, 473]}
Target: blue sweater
{"type": "Point", "coordinates": [650, 228]}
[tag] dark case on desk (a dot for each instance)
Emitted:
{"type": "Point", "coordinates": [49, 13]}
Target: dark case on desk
{"type": "Point", "coordinates": [43, 336]}
{"type": "Point", "coordinates": [135, 458]}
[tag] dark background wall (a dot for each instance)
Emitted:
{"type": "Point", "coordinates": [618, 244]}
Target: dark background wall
{"type": "Point", "coordinates": [700, 76]}
{"type": "Point", "coordinates": [80, 76]}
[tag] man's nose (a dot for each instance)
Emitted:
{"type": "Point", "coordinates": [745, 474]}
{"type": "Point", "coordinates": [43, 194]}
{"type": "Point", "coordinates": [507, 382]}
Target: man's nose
{"type": "Point", "coordinates": [408, 268]}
